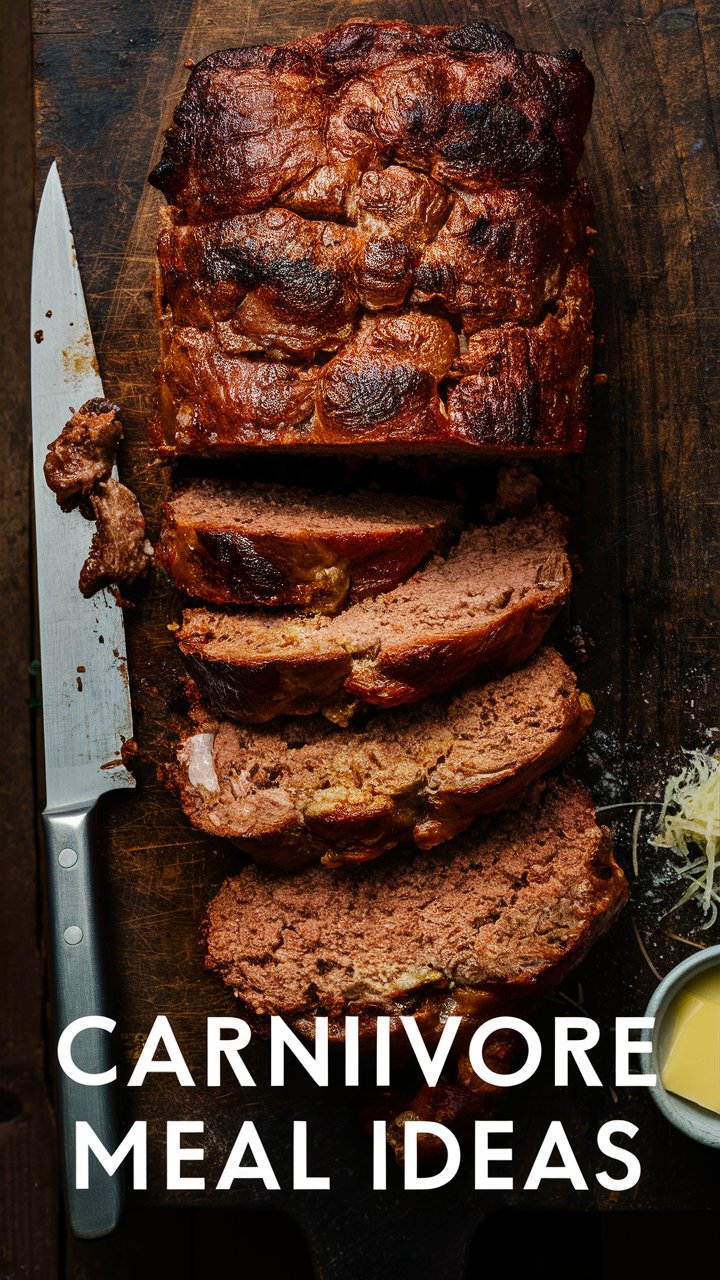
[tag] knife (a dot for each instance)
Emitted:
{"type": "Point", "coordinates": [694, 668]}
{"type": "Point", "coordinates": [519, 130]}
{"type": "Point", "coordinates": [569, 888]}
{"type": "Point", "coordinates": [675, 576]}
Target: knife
{"type": "Point", "coordinates": [85, 705]}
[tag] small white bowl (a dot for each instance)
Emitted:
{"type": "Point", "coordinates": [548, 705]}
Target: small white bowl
{"type": "Point", "coordinates": [697, 1122]}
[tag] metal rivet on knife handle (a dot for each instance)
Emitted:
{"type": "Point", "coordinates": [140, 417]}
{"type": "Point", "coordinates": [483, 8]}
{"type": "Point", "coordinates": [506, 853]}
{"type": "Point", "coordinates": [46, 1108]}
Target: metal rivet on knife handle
{"type": "Point", "coordinates": [73, 935]}
{"type": "Point", "coordinates": [67, 857]}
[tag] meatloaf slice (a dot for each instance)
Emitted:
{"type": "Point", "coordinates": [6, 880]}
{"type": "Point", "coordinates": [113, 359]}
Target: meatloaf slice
{"type": "Point", "coordinates": [487, 604]}
{"type": "Point", "coordinates": [296, 793]}
{"type": "Point", "coordinates": [268, 544]}
{"type": "Point", "coordinates": [477, 928]}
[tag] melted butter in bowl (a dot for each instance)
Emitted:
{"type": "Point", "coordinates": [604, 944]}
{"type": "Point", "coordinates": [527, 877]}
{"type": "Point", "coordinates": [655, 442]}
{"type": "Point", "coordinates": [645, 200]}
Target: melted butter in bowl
{"type": "Point", "coordinates": [686, 1046]}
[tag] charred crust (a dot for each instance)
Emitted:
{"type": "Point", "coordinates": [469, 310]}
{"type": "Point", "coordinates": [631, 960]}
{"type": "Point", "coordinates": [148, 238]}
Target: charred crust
{"type": "Point", "coordinates": [478, 37]}
{"type": "Point", "coordinates": [233, 560]}
{"type": "Point", "coordinates": [355, 398]}
{"type": "Point", "coordinates": [98, 406]}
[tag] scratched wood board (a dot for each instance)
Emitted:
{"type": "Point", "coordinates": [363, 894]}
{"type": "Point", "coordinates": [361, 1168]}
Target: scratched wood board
{"type": "Point", "coordinates": [642, 629]}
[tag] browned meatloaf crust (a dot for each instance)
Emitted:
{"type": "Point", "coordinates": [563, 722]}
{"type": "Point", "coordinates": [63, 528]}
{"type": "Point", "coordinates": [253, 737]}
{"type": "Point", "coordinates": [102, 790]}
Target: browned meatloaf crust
{"type": "Point", "coordinates": [84, 453]}
{"type": "Point", "coordinates": [78, 469]}
{"type": "Point", "coordinates": [268, 544]}
{"type": "Point", "coordinates": [488, 603]}
{"type": "Point", "coordinates": [118, 551]}
{"type": "Point", "coordinates": [376, 240]}
{"type": "Point", "coordinates": [484, 924]}
{"type": "Point", "coordinates": [302, 791]}
{"type": "Point", "coordinates": [401, 382]}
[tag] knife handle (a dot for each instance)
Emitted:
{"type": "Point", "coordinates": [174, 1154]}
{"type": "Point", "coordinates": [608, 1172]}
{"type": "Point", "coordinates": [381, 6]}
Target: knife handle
{"type": "Point", "coordinates": [79, 990]}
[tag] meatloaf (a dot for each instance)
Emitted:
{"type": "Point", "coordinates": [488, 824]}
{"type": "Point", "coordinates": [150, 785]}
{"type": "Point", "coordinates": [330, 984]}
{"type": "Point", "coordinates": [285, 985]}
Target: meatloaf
{"type": "Point", "coordinates": [376, 240]}
{"type": "Point", "coordinates": [487, 604]}
{"type": "Point", "coordinates": [83, 455]}
{"type": "Point", "coordinates": [304, 791]}
{"type": "Point", "coordinates": [79, 469]}
{"type": "Point", "coordinates": [268, 544]}
{"type": "Point", "coordinates": [484, 925]}
{"type": "Point", "coordinates": [119, 552]}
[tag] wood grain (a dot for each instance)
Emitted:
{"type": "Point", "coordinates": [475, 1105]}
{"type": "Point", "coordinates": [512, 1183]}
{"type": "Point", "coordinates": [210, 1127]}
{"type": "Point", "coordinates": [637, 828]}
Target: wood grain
{"type": "Point", "coordinates": [644, 620]}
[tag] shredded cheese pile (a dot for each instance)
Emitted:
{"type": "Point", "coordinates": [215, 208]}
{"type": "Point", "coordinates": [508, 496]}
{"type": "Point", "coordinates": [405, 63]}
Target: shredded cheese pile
{"type": "Point", "coordinates": [689, 825]}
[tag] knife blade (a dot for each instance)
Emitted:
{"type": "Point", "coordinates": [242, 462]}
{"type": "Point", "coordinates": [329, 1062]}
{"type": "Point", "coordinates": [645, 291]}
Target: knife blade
{"type": "Point", "coordinates": [87, 716]}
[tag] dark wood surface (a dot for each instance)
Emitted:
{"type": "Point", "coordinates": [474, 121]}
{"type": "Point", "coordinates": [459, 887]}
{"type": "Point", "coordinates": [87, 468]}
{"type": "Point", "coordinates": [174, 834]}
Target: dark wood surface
{"type": "Point", "coordinates": [642, 627]}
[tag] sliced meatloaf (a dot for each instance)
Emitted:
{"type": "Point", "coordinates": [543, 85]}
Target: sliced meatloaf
{"type": "Point", "coordinates": [305, 791]}
{"type": "Point", "coordinates": [487, 604]}
{"type": "Point", "coordinates": [268, 544]}
{"type": "Point", "coordinates": [479, 927]}
{"type": "Point", "coordinates": [364, 221]}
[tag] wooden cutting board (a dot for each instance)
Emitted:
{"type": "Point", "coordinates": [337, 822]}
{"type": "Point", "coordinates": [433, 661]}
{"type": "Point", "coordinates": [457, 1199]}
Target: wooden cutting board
{"type": "Point", "coordinates": [643, 625]}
